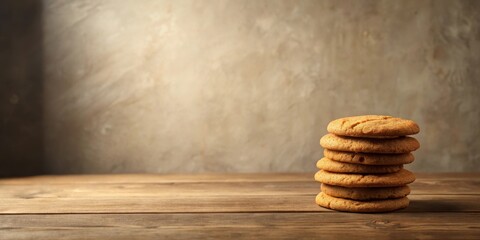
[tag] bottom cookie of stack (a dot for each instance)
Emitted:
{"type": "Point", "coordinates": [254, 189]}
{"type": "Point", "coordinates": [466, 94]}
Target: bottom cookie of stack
{"type": "Point", "coordinates": [349, 205]}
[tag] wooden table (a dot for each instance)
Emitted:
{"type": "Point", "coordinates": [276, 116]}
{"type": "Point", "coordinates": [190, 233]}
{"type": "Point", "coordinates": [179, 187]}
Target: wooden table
{"type": "Point", "coordinates": [273, 206]}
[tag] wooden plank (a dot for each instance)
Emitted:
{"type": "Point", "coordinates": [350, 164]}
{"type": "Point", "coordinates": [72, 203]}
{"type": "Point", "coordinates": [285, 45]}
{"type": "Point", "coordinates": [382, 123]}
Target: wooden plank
{"type": "Point", "coordinates": [215, 177]}
{"type": "Point", "coordinates": [160, 178]}
{"type": "Point", "coordinates": [221, 195]}
{"type": "Point", "coordinates": [445, 186]}
{"type": "Point", "coordinates": [327, 225]}
{"type": "Point", "coordinates": [82, 189]}
{"type": "Point", "coordinates": [87, 190]}
{"type": "Point", "coordinates": [228, 203]}
{"type": "Point", "coordinates": [158, 190]}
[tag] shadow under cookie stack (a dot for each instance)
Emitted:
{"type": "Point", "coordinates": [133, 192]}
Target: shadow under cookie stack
{"type": "Point", "coordinates": [362, 168]}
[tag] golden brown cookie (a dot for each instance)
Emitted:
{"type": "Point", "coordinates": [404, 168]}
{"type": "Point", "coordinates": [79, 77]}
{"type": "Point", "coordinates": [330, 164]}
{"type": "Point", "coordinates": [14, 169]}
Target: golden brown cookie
{"type": "Point", "coordinates": [369, 145]}
{"type": "Point", "coordinates": [369, 158]}
{"type": "Point", "coordinates": [348, 205]}
{"type": "Point", "coordinates": [373, 126]}
{"type": "Point", "coordinates": [399, 178]}
{"type": "Point", "coordinates": [341, 167]}
{"type": "Point", "coordinates": [363, 194]}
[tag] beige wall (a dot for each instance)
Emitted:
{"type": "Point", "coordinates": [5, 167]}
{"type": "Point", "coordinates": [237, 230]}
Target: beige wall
{"type": "Point", "coordinates": [249, 86]}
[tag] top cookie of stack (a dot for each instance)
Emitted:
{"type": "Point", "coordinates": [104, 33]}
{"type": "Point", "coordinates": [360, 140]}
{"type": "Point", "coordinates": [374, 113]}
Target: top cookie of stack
{"type": "Point", "coordinates": [371, 134]}
{"type": "Point", "coordinates": [362, 170]}
{"type": "Point", "coordinates": [373, 126]}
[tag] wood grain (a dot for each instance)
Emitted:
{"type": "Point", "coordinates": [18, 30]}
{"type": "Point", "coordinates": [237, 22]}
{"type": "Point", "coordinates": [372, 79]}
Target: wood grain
{"type": "Point", "coordinates": [242, 225]}
{"type": "Point", "coordinates": [159, 178]}
{"type": "Point", "coordinates": [199, 178]}
{"type": "Point", "coordinates": [208, 204]}
{"type": "Point", "coordinates": [211, 193]}
{"type": "Point", "coordinates": [275, 206]}
{"type": "Point", "coordinates": [421, 186]}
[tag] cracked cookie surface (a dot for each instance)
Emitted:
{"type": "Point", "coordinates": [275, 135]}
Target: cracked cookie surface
{"type": "Point", "coordinates": [374, 126]}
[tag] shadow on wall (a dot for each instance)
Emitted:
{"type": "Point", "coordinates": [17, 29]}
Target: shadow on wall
{"type": "Point", "coordinates": [21, 88]}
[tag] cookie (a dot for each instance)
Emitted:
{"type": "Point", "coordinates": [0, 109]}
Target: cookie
{"type": "Point", "coordinates": [348, 205]}
{"type": "Point", "coordinates": [341, 167]}
{"type": "Point", "coordinates": [399, 178]}
{"type": "Point", "coordinates": [365, 193]}
{"type": "Point", "coordinates": [373, 126]}
{"type": "Point", "coordinates": [369, 158]}
{"type": "Point", "coordinates": [369, 145]}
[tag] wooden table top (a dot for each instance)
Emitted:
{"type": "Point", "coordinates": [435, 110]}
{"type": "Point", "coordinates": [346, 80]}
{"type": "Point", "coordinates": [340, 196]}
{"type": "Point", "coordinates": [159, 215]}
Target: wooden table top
{"type": "Point", "coordinates": [258, 206]}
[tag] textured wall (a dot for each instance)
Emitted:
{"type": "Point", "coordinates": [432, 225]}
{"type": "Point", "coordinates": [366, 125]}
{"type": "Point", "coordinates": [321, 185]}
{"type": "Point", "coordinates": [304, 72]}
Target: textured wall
{"type": "Point", "coordinates": [249, 86]}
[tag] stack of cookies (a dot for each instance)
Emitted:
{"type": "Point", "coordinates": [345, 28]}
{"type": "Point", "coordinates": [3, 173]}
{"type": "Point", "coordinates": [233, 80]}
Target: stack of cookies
{"type": "Point", "coordinates": [362, 169]}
